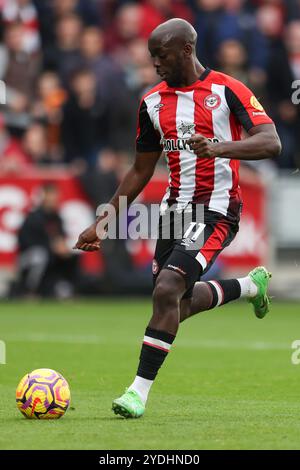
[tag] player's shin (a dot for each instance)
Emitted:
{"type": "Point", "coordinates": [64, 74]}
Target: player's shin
{"type": "Point", "coordinates": [155, 348]}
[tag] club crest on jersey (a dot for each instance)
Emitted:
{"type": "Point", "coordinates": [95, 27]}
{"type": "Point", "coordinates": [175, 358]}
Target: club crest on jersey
{"type": "Point", "coordinates": [212, 101]}
{"type": "Point", "coordinates": [185, 129]}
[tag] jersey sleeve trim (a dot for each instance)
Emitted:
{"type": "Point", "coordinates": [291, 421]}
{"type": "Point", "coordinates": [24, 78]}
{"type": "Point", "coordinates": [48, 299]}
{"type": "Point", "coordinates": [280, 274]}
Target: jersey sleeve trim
{"type": "Point", "coordinates": [148, 139]}
{"type": "Point", "coordinates": [246, 107]}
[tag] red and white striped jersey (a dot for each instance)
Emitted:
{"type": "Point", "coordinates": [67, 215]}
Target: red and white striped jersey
{"type": "Point", "coordinates": [216, 106]}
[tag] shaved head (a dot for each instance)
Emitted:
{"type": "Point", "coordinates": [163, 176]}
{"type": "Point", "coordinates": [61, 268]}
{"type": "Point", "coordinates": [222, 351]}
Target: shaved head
{"type": "Point", "coordinates": [175, 29]}
{"type": "Point", "coordinates": [172, 46]}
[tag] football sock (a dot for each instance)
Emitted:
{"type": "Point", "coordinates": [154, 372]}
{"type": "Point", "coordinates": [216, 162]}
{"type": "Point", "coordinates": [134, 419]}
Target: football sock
{"type": "Point", "coordinates": [248, 288]}
{"type": "Point", "coordinates": [155, 348]}
{"type": "Point", "coordinates": [142, 387]}
{"type": "Point", "coordinates": [224, 291]}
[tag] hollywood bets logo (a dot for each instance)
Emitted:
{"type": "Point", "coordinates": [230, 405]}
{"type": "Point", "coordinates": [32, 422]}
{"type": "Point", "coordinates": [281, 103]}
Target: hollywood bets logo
{"type": "Point", "coordinates": [185, 130]}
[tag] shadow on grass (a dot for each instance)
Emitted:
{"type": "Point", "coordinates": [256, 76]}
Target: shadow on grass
{"type": "Point", "coordinates": [68, 419]}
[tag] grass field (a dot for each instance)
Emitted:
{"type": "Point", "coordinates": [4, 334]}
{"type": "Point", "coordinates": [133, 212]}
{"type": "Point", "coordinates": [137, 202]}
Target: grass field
{"type": "Point", "coordinates": [228, 382]}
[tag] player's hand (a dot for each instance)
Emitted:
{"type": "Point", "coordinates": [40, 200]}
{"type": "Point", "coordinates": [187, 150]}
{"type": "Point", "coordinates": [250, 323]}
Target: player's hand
{"type": "Point", "coordinates": [88, 239]}
{"type": "Point", "coordinates": [201, 146]}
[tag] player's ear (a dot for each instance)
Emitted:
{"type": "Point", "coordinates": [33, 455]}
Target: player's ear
{"type": "Point", "coordinates": [188, 50]}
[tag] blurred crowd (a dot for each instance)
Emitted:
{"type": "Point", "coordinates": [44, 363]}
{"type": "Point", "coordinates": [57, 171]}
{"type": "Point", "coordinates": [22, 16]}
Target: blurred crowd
{"type": "Point", "coordinates": [75, 70]}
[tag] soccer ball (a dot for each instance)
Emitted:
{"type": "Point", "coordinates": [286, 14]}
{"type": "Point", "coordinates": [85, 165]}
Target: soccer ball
{"type": "Point", "coordinates": [43, 394]}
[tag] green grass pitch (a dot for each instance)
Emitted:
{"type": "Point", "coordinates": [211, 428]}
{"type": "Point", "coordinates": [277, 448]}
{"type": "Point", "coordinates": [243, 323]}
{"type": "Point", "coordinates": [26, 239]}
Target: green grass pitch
{"type": "Point", "coordinates": [228, 382]}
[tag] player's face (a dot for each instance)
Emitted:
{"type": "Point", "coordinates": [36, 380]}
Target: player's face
{"type": "Point", "coordinates": [168, 62]}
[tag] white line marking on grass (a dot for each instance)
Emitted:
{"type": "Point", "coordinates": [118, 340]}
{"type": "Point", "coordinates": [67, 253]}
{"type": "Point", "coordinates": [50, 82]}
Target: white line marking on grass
{"type": "Point", "coordinates": [224, 344]}
{"type": "Point", "coordinates": [55, 338]}
{"type": "Point", "coordinates": [184, 343]}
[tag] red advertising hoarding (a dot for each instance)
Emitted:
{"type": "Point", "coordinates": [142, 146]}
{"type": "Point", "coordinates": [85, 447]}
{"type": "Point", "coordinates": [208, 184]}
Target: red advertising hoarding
{"type": "Point", "coordinates": [20, 194]}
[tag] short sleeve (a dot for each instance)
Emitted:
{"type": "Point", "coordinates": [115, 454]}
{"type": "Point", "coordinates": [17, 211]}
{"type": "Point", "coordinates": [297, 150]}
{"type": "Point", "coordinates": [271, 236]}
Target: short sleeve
{"type": "Point", "coordinates": [245, 106]}
{"type": "Point", "coordinates": [148, 139]}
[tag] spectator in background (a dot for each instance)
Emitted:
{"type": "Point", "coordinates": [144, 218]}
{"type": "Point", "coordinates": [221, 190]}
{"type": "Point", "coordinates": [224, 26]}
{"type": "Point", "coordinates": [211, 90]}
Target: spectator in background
{"type": "Point", "coordinates": [292, 10]}
{"type": "Point", "coordinates": [86, 9]}
{"type": "Point", "coordinates": [12, 158]}
{"type": "Point", "coordinates": [86, 119]}
{"type": "Point", "coordinates": [119, 99]}
{"type": "Point", "coordinates": [35, 146]}
{"type": "Point", "coordinates": [64, 56]}
{"type": "Point", "coordinates": [284, 68]}
{"type": "Point", "coordinates": [46, 265]}
{"type": "Point", "coordinates": [107, 72]}
{"type": "Point", "coordinates": [232, 59]}
{"type": "Point", "coordinates": [137, 20]}
{"type": "Point", "coordinates": [101, 182]}
{"type": "Point", "coordinates": [292, 41]}
{"type": "Point", "coordinates": [154, 12]}
{"type": "Point", "coordinates": [138, 76]}
{"type": "Point", "coordinates": [19, 69]}
{"type": "Point", "coordinates": [127, 26]}
{"type": "Point", "coordinates": [25, 13]}
{"type": "Point", "coordinates": [51, 11]}
{"type": "Point", "coordinates": [107, 11]}
{"type": "Point", "coordinates": [47, 108]}
{"type": "Point", "coordinates": [139, 71]}
{"type": "Point", "coordinates": [270, 22]}
{"type": "Point", "coordinates": [215, 23]}
{"type": "Point", "coordinates": [267, 23]}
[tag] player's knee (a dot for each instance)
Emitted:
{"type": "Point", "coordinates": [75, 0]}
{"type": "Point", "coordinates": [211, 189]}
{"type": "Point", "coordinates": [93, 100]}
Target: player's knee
{"type": "Point", "coordinates": [163, 295]}
{"type": "Point", "coordinates": [168, 290]}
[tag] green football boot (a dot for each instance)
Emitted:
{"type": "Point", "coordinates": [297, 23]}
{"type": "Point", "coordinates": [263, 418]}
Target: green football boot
{"type": "Point", "coordinates": [261, 302]}
{"type": "Point", "coordinates": [129, 405]}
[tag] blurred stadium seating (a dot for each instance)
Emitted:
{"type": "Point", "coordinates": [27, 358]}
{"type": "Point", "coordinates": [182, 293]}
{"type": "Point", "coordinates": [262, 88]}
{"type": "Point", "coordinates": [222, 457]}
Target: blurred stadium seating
{"type": "Point", "coordinates": [74, 72]}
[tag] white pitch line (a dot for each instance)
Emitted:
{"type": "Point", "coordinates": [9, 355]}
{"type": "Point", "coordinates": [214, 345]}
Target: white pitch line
{"type": "Point", "coordinates": [55, 338]}
{"type": "Point", "coordinates": [185, 343]}
{"type": "Point", "coordinates": [224, 344]}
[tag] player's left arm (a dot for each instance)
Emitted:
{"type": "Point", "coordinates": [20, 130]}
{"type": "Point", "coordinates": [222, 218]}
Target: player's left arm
{"type": "Point", "coordinates": [262, 141]}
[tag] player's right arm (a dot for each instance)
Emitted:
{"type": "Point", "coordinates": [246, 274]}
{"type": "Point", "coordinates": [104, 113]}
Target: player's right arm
{"type": "Point", "coordinates": [133, 183]}
{"type": "Point", "coordinates": [148, 151]}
